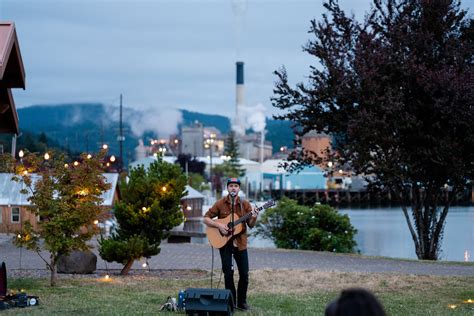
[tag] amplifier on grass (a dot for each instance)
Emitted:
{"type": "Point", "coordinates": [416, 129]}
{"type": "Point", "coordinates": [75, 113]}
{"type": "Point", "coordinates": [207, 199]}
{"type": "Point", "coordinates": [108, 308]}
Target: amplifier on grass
{"type": "Point", "coordinates": [20, 299]}
{"type": "Point", "coordinates": [206, 301]}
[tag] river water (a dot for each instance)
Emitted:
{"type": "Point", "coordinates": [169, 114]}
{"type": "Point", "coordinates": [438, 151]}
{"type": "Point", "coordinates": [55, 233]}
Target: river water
{"type": "Point", "coordinates": [384, 232]}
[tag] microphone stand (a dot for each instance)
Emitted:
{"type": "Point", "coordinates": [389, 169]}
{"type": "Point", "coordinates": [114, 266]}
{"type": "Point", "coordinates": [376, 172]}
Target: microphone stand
{"type": "Point", "coordinates": [232, 199]}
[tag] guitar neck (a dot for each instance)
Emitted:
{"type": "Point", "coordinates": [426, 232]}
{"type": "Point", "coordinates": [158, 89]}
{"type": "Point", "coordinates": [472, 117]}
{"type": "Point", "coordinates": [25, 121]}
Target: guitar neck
{"type": "Point", "coordinates": [246, 216]}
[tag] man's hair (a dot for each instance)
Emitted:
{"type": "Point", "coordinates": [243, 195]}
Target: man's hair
{"type": "Point", "coordinates": [355, 302]}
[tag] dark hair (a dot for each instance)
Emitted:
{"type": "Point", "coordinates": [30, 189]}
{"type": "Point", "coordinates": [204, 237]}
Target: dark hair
{"type": "Point", "coordinates": [355, 302]}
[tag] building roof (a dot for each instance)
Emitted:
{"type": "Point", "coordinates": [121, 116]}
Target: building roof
{"type": "Point", "coordinates": [12, 72]}
{"type": "Point", "coordinates": [171, 159]}
{"type": "Point", "coordinates": [272, 166]}
{"type": "Point", "coordinates": [8, 115]}
{"type": "Point", "coordinates": [10, 190]}
{"type": "Point", "coordinates": [12, 75]}
{"type": "Point", "coordinates": [192, 194]}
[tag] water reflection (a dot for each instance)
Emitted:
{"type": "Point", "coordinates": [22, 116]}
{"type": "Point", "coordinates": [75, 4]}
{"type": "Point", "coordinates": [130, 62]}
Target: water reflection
{"type": "Point", "coordinates": [384, 232]}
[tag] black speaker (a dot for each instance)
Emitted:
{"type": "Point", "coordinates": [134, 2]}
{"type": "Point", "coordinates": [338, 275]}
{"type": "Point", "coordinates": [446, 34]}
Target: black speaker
{"type": "Point", "coordinates": [207, 302]}
{"type": "Point", "coordinates": [3, 280]}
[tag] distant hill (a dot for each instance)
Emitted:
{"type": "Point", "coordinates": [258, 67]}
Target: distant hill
{"type": "Point", "coordinates": [220, 122]}
{"type": "Point", "coordinates": [85, 127]}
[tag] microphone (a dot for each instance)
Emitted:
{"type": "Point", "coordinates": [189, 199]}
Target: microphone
{"type": "Point", "coordinates": [232, 197]}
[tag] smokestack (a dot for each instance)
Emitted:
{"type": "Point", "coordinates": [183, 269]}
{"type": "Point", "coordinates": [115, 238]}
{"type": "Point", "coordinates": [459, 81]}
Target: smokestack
{"type": "Point", "coordinates": [239, 126]}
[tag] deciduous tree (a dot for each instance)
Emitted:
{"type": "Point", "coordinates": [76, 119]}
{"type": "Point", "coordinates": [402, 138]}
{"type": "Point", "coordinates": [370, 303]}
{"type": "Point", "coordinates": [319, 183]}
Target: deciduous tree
{"type": "Point", "coordinates": [66, 197]}
{"type": "Point", "coordinates": [396, 93]}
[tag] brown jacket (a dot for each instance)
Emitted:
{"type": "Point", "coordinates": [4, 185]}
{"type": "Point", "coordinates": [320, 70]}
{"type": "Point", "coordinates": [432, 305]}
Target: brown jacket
{"type": "Point", "coordinates": [222, 209]}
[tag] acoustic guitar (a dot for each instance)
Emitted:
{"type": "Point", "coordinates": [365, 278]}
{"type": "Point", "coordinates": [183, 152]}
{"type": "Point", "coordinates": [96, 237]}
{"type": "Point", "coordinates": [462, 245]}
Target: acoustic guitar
{"type": "Point", "coordinates": [218, 240]}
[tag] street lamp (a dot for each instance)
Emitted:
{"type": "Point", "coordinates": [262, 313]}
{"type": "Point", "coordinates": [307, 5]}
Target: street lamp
{"type": "Point", "coordinates": [208, 144]}
{"type": "Point", "coordinates": [162, 151]}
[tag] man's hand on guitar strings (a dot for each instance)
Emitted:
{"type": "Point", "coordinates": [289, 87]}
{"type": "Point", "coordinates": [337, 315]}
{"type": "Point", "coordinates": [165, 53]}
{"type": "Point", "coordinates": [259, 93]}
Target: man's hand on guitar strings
{"type": "Point", "coordinates": [223, 229]}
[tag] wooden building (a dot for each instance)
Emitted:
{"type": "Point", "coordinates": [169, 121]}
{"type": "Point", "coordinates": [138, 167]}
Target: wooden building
{"type": "Point", "coordinates": [14, 205]}
{"type": "Point", "coordinates": [12, 75]}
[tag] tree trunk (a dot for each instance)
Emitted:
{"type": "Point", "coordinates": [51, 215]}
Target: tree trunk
{"type": "Point", "coordinates": [127, 267]}
{"type": "Point", "coordinates": [53, 268]}
{"type": "Point", "coordinates": [426, 230]}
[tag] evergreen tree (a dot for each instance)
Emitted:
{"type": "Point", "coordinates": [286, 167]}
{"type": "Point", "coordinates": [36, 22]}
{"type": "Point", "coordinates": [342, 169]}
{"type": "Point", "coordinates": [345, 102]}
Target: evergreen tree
{"type": "Point", "coordinates": [191, 163]}
{"type": "Point", "coordinates": [232, 167]}
{"type": "Point", "coordinates": [149, 208]}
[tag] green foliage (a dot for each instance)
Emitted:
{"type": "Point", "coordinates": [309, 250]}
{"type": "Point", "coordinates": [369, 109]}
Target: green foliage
{"type": "Point", "coordinates": [232, 150]}
{"type": "Point", "coordinates": [33, 142]}
{"type": "Point", "coordinates": [198, 182]}
{"type": "Point", "coordinates": [396, 93]}
{"type": "Point", "coordinates": [134, 247]}
{"type": "Point", "coordinates": [295, 226]}
{"type": "Point", "coordinates": [66, 197]}
{"type": "Point", "coordinates": [150, 207]}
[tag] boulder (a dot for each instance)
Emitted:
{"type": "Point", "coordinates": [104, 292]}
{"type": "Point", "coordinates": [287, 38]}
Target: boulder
{"type": "Point", "coordinates": [78, 262]}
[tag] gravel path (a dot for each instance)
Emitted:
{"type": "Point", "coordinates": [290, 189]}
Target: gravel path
{"type": "Point", "coordinates": [199, 256]}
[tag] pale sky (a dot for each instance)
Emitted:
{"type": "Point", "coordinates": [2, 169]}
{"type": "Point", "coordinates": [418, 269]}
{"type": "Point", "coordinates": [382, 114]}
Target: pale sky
{"type": "Point", "coordinates": [161, 53]}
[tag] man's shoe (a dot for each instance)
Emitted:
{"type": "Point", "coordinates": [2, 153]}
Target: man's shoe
{"type": "Point", "coordinates": [244, 307]}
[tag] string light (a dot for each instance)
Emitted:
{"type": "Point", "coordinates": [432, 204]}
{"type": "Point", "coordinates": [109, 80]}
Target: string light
{"type": "Point", "coordinates": [25, 172]}
{"type": "Point", "coordinates": [144, 264]}
{"type": "Point", "coordinates": [164, 189]}
{"type": "Point", "coordinates": [112, 158]}
{"type": "Point", "coordinates": [19, 236]}
{"type": "Point", "coordinates": [104, 146]}
{"type": "Point", "coordinates": [76, 163]}
{"type": "Point", "coordinates": [96, 222]}
{"type": "Point", "coordinates": [452, 306]}
{"type": "Point", "coordinates": [46, 156]}
{"type": "Point", "coordinates": [66, 165]}
{"type": "Point", "coordinates": [21, 154]}
{"type": "Point", "coordinates": [89, 156]}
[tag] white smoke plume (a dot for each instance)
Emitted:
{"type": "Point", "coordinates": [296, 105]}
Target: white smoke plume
{"type": "Point", "coordinates": [163, 122]}
{"type": "Point", "coordinates": [252, 117]}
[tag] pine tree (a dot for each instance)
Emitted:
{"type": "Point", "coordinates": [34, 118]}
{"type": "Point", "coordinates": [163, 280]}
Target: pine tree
{"type": "Point", "coordinates": [149, 208]}
{"type": "Point", "coordinates": [231, 149]}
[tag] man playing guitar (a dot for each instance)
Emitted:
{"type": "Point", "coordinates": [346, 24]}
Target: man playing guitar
{"type": "Point", "coordinates": [232, 206]}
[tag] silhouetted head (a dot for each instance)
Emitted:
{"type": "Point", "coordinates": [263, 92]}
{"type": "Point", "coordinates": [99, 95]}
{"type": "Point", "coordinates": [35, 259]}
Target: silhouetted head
{"type": "Point", "coordinates": [355, 302]}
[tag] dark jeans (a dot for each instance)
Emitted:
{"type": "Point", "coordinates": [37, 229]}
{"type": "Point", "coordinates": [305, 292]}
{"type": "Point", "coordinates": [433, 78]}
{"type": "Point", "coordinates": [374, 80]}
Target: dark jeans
{"type": "Point", "coordinates": [242, 260]}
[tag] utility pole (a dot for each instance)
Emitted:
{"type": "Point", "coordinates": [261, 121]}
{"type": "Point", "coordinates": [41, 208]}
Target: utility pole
{"type": "Point", "coordinates": [121, 138]}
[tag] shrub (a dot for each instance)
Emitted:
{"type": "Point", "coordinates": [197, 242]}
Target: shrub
{"type": "Point", "coordinates": [320, 227]}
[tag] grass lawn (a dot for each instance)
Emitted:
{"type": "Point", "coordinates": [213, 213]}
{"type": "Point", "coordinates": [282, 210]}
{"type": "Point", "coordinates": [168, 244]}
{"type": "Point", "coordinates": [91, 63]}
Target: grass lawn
{"type": "Point", "coordinates": [272, 292]}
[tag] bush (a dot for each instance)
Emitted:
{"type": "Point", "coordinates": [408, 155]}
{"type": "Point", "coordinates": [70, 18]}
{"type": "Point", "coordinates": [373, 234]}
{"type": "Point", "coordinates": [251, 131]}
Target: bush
{"type": "Point", "coordinates": [295, 226]}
